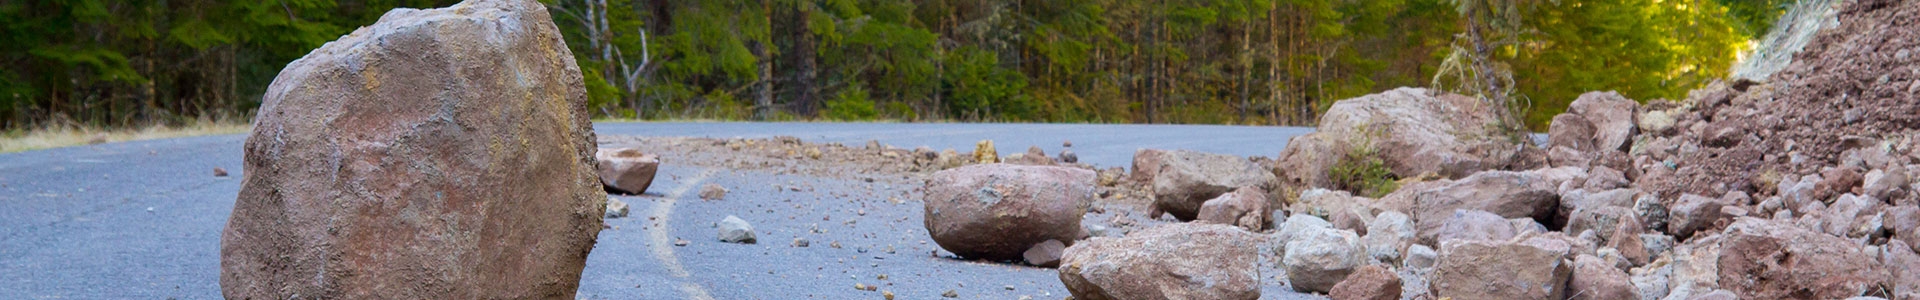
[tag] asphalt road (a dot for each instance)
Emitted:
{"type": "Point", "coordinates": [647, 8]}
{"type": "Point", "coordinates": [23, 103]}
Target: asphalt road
{"type": "Point", "coordinates": [142, 220]}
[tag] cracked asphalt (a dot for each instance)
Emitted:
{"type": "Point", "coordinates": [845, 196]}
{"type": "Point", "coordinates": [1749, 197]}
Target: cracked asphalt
{"type": "Point", "coordinates": [142, 220]}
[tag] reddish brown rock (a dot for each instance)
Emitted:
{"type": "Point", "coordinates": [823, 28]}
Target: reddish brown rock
{"type": "Point", "coordinates": [626, 170]}
{"type": "Point", "coordinates": [437, 154]}
{"type": "Point", "coordinates": [1173, 261]}
{"type": "Point", "coordinates": [1415, 131]}
{"type": "Point", "coordinates": [1764, 259]}
{"type": "Point", "coordinates": [1045, 254]}
{"type": "Point", "coordinates": [1693, 213]}
{"type": "Point", "coordinates": [1245, 207]}
{"type": "Point", "coordinates": [1471, 269]}
{"type": "Point", "coordinates": [1372, 282]}
{"type": "Point", "coordinates": [998, 211]}
{"type": "Point", "coordinates": [1474, 225]}
{"type": "Point", "coordinates": [1146, 163]}
{"type": "Point", "coordinates": [1529, 194]}
{"type": "Point", "coordinates": [1595, 279]}
{"type": "Point", "coordinates": [1611, 116]}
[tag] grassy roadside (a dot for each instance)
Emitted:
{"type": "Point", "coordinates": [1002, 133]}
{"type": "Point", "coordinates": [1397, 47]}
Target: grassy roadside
{"type": "Point", "coordinates": [64, 136]}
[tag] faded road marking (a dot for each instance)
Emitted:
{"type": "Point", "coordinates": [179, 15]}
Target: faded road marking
{"type": "Point", "coordinates": [663, 244]}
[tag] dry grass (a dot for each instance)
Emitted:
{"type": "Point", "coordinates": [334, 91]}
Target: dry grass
{"type": "Point", "coordinates": [64, 136]}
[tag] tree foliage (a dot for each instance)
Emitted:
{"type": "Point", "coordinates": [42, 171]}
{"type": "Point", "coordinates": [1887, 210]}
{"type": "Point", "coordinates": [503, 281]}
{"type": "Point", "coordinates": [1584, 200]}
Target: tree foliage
{"type": "Point", "coordinates": [128, 62]}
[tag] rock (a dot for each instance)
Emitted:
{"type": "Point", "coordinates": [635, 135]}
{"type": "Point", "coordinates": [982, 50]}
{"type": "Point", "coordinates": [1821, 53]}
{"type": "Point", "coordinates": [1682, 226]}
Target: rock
{"type": "Point", "coordinates": [1578, 199]}
{"type": "Point", "coordinates": [1595, 279]}
{"type": "Point", "coordinates": [1318, 258]}
{"type": "Point", "coordinates": [1693, 213]}
{"type": "Point", "coordinates": [801, 242]}
{"type": "Point", "coordinates": [1658, 121]}
{"type": "Point", "coordinates": [1611, 116]}
{"type": "Point", "coordinates": [735, 230]}
{"type": "Point", "coordinates": [1172, 261]}
{"type": "Point", "coordinates": [420, 115]}
{"type": "Point", "coordinates": [1716, 295]}
{"type": "Point", "coordinates": [1415, 131]}
{"type": "Point", "coordinates": [1603, 220]}
{"type": "Point", "coordinates": [1571, 131]}
{"type": "Point", "coordinates": [1045, 254]}
{"type": "Point", "coordinates": [1763, 259]}
{"type": "Point", "coordinates": [1245, 207]}
{"type": "Point", "coordinates": [1474, 225]}
{"type": "Point", "coordinates": [984, 153]}
{"type": "Point", "coordinates": [1900, 258]}
{"type": "Point", "coordinates": [626, 170]}
{"type": "Point", "coordinates": [1476, 269]}
{"type": "Point", "coordinates": [949, 159]}
{"type": "Point", "coordinates": [1420, 257]}
{"type": "Point", "coordinates": [1371, 282]}
{"type": "Point", "coordinates": [1146, 163]}
{"type": "Point", "coordinates": [219, 172]}
{"type": "Point", "coordinates": [1523, 226]}
{"type": "Point", "coordinates": [1904, 221]}
{"type": "Point", "coordinates": [1626, 239]}
{"type": "Point", "coordinates": [998, 211]}
{"type": "Point", "coordinates": [950, 294]}
{"type": "Point", "coordinates": [616, 208]}
{"type": "Point", "coordinates": [1102, 231]}
{"type": "Point", "coordinates": [1187, 179]}
{"type": "Point", "coordinates": [1067, 156]}
{"type": "Point", "coordinates": [713, 192]}
{"type": "Point", "coordinates": [1650, 282]}
{"type": "Point", "coordinates": [1847, 212]}
{"type": "Point", "coordinates": [1508, 194]}
{"type": "Point", "coordinates": [1389, 232]}
{"type": "Point", "coordinates": [1342, 208]}
{"type": "Point", "coordinates": [1295, 226]}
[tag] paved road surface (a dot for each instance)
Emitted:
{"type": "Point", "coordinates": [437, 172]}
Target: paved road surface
{"type": "Point", "coordinates": [142, 220]}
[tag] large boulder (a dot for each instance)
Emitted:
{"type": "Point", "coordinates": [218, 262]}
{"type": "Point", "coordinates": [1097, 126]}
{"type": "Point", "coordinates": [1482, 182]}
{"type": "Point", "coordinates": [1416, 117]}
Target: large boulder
{"type": "Point", "coordinates": [998, 211]}
{"type": "Point", "coordinates": [1509, 194]}
{"type": "Point", "coordinates": [1765, 259]}
{"type": "Point", "coordinates": [1245, 207]}
{"type": "Point", "coordinates": [1414, 131]}
{"type": "Point", "coordinates": [1478, 269]}
{"type": "Point", "coordinates": [436, 154]}
{"type": "Point", "coordinates": [1318, 258]}
{"type": "Point", "coordinates": [1474, 225]}
{"type": "Point", "coordinates": [626, 170]}
{"type": "Point", "coordinates": [1187, 179]}
{"type": "Point", "coordinates": [1173, 261]}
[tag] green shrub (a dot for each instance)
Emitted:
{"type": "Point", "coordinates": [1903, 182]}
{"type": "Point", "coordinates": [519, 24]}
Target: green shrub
{"type": "Point", "coordinates": [1362, 172]}
{"type": "Point", "coordinates": [851, 104]}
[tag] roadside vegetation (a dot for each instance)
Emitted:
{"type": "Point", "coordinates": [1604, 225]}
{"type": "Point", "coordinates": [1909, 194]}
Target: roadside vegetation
{"type": "Point", "coordinates": [124, 64]}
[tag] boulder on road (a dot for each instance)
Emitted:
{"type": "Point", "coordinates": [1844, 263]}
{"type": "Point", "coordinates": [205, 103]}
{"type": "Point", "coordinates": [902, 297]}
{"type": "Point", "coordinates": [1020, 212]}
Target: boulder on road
{"type": "Point", "coordinates": [430, 155]}
{"type": "Point", "coordinates": [1245, 207]}
{"type": "Point", "coordinates": [1173, 261]}
{"type": "Point", "coordinates": [1415, 131]}
{"type": "Point", "coordinates": [998, 211]}
{"type": "Point", "coordinates": [1187, 179]}
{"type": "Point", "coordinates": [1318, 258]}
{"type": "Point", "coordinates": [1478, 269]}
{"type": "Point", "coordinates": [626, 170]}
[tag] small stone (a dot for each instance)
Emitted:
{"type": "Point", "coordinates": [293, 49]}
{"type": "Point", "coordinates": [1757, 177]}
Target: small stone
{"type": "Point", "coordinates": [616, 208]}
{"type": "Point", "coordinates": [1371, 282]}
{"type": "Point", "coordinates": [813, 153]}
{"type": "Point", "coordinates": [735, 230]}
{"type": "Point", "coordinates": [1045, 254]}
{"type": "Point", "coordinates": [860, 286]}
{"type": "Point", "coordinates": [887, 294]}
{"type": "Point", "coordinates": [950, 294]}
{"type": "Point", "coordinates": [713, 192]}
{"type": "Point", "coordinates": [219, 172]}
{"type": "Point", "coordinates": [984, 153]}
{"type": "Point", "coordinates": [681, 242]}
{"type": "Point", "coordinates": [1067, 156]}
{"type": "Point", "coordinates": [1009, 287]}
{"type": "Point", "coordinates": [803, 243]}
{"type": "Point", "coordinates": [1420, 257]}
{"type": "Point", "coordinates": [834, 244]}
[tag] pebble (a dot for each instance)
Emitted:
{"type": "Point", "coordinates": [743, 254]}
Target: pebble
{"type": "Point", "coordinates": [887, 294]}
{"type": "Point", "coordinates": [681, 242]}
{"type": "Point", "coordinates": [801, 242]}
{"type": "Point", "coordinates": [950, 294]}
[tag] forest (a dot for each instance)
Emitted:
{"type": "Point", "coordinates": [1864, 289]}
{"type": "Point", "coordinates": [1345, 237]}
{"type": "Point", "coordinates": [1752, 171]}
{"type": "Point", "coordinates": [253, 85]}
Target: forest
{"type": "Point", "coordinates": [124, 63]}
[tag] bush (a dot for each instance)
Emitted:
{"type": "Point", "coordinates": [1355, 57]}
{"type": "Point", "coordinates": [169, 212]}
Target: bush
{"type": "Point", "coordinates": [851, 104]}
{"type": "Point", "coordinates": [1362, 172]}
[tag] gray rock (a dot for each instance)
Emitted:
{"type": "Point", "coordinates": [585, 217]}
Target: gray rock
{"type": "Point", "coordinates": [1479, 269]}
{"type": "Point", "coordinates": [1172, 261]}
{"type": "Point", "coordinates": [735, 230]}
{"type": "Point", "coordinates": [1245, 207]}
{"type": "Point", "coordinates": [1475, 225]}
{"type": "Point", "coordinates": [1420, 257]}
{"type": "Point", "coordinates": [1389, 232]}
{"type": "Point", "coordinates": [1045, 254]}
{"type": "Point", "coordinates": [1319, 258]}
{"type": "Point", "coordinates": [1187, 179]}
{"type": "Point", "coordinates": [1295, 226]}
{"type": "Point", "coordinates": [616, 208]}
